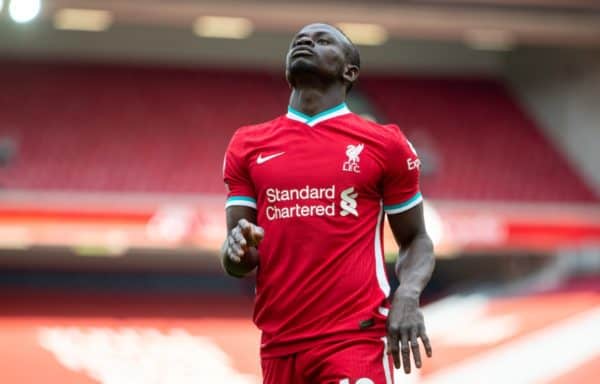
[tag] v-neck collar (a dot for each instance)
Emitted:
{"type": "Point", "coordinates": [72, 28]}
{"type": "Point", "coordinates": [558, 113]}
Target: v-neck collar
{"type": "Point", "coordinates": [311, 121]}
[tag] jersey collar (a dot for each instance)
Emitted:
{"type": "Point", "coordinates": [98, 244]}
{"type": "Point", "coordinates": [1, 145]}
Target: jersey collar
{"type": "Point", "coordinates": [330, 113]}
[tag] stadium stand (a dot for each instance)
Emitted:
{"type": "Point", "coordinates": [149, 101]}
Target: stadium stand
{"type": "Point", "coordinates": [105, 128]}
{"type": "Point", "coordinates": [486, 146]}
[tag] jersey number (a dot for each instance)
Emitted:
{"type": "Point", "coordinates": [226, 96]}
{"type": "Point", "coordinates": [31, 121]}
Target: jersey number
{"type": "Point", "coordinates": [363, 380]}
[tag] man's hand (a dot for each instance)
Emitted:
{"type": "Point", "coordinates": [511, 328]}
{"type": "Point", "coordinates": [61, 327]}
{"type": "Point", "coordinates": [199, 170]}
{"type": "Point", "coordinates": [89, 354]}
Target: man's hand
{"type": "Point", "coordinates": [243, 236]}
{"type": "Point", "coordinates": [404, 325]}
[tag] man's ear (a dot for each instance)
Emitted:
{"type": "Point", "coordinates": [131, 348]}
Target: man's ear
{"type": "Point", "coordinates": [351, 73]}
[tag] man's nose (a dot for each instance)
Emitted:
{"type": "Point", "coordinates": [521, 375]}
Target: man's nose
{"type": "Point", "coordinates": [305, 40]}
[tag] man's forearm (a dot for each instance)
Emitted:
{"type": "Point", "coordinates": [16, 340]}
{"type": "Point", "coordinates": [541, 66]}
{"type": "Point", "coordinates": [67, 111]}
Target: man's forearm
{"type": "Point", "coordinates": [415, 266]}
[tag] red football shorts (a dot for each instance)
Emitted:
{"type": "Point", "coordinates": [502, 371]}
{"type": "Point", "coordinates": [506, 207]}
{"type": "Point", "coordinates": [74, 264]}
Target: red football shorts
{"type": "Point", "coordinates": [352, 361]}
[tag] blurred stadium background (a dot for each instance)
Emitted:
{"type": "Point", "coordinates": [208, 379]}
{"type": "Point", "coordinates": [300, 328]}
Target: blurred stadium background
{"type": "Point", "coordinates": [114, 117]}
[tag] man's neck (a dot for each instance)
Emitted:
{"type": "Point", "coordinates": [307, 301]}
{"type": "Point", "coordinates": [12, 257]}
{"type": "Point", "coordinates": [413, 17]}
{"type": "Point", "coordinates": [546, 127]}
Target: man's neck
{"type": "Point", "coordinates": [311, 101]}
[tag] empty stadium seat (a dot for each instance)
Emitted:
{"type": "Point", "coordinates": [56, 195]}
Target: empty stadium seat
{"type": "Point", "coordinates": [103, 128]}
{"type": "Point", "coordinates": [485, 145]}
{"type": "Point", "coordinates": [109, 128]}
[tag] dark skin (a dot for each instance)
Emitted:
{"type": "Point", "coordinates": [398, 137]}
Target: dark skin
{"type": "Point", "coordinates": [319, 72]}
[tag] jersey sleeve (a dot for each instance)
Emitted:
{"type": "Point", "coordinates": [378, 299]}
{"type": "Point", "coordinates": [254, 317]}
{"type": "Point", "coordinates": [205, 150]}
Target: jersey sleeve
{"type": "Point", "coordinates": [401, 176]}
{"type": "Point", "coordinates": [240, 190]}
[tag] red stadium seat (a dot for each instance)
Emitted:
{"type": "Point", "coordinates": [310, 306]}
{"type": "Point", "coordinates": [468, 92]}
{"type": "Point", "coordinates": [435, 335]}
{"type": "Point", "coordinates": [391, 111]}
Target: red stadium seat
{"type": "Point", "coordinates": [127, 129]}
{"type": "Point", "coordinates": [487, 148]}
{"type": "Point", "coordinates": [106, 128]}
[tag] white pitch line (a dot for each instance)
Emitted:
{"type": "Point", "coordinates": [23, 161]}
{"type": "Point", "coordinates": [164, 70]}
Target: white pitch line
{"type": "Point", "coordinates": [534, 358]}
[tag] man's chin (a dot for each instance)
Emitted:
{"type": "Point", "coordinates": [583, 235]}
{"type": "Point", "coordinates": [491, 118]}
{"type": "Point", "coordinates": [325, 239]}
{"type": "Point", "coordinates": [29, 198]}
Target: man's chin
{"type": "Point", "coordinates": [302, 65]}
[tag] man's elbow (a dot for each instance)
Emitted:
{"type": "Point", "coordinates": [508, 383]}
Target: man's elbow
{"type": "Point", "coordinates": [428, 254]}
{"type": "Point", "coordinates": [420, 240]}
{"type": "Point", "coordinates": [420, 250]}
{"type": "Point", "coordinates": [427, 242]}
{"type": "Point", "coordinates": [426, 245]}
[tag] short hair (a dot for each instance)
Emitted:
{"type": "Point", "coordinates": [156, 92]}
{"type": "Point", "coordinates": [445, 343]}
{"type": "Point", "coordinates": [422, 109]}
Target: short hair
{"type": "Point", "coordinates": [352, 54]}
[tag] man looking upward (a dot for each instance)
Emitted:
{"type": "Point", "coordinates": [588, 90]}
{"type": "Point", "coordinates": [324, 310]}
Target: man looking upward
{"type": "Point", "coordinates": [307, 193]}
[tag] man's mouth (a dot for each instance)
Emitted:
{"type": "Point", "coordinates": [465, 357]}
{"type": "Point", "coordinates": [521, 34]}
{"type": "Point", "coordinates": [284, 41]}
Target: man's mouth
{"type": "Point", "coordinates": [302, 52]}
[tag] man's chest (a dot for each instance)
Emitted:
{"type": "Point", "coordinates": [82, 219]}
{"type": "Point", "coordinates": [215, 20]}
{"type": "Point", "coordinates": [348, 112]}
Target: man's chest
{"type": "Point", "coordinates": [316, 161]}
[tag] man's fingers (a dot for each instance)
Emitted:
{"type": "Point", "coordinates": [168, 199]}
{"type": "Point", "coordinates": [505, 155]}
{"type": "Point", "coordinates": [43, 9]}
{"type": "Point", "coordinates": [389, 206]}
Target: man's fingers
{"type": "Point", "coordinates": [414, 346]}
{"type": "Point", "coordinates": [392, 348]}
{"type": "Point", "coordinates": [245, 226]}
{"type": "Point", "coordinates": [238, 235]}
{"type": "Point", "coordinates": [259, 234]}
{"type": "Point", "coordinates": [237, 246]}
{"type": "Point", "coordinates": [426, 342]}
{"type": "Point", "coordinates": [234, 250]}
{"type": "Point", "coordinates": [237, 250]}
{"type": "Point", "coordinates": [252, 233]}
{"type": "Point", "coordinates": [246, 229]}
{"type": "Point", "coordinates": [405, 349]}
{"type": "Point", "coordinates": [232, 254]}
{"type": "Point", "coordinates": [239, 241]}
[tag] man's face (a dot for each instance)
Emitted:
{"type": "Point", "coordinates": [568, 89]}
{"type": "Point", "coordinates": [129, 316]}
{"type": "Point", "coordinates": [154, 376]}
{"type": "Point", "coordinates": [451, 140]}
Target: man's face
{"type": "Point", "coordinates": [316, 49]}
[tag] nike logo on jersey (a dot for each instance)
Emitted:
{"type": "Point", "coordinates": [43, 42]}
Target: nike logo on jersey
{"type": "Point", "coordinates": [262, 159]}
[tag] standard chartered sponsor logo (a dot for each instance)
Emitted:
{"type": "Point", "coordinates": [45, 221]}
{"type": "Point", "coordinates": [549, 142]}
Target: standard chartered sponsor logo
{"type": "Point", "coordinates": [274, 195]}
{"type": "Point", "coordinates": [348, 202]}
{"type": "Point", "coordinates": [308, 201]}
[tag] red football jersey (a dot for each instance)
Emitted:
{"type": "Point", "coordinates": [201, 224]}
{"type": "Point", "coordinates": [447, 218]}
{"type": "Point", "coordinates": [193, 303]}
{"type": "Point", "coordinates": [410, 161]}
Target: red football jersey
{"type": "Point", "coordinates": [320, 185]}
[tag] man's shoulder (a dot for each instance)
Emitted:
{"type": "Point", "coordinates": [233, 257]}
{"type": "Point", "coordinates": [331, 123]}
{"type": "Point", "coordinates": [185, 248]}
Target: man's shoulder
{"type": "Point", "coordinates": [247, 137]}
{"type": "Point", "coordinates": [379, 131]}
{"type": "Point", "coordinates": [258, 128]}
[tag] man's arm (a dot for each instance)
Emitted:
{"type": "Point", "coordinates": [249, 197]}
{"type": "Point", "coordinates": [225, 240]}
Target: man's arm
{"type": "Point", "coordinates": [413, 269]}
{"type": "Point", "coordinates": [239, 255]}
